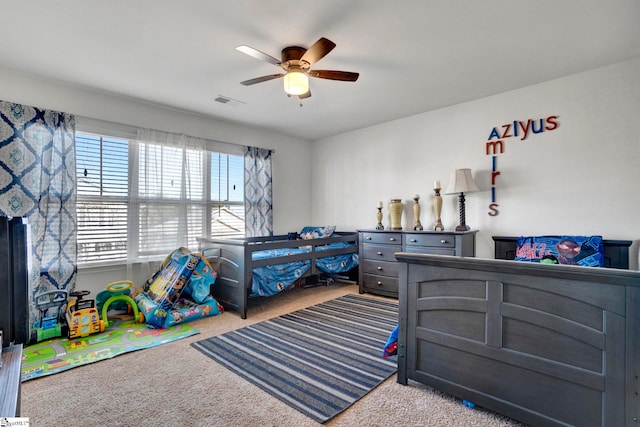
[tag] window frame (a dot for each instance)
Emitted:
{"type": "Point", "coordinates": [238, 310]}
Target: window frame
{"type": "Point", "coordinates": [209, 205]}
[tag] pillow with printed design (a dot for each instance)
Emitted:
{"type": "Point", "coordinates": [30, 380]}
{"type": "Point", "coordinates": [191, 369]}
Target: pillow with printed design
{"type": "Point", "coordinates": [587, 251]}
{"type": "Point", "coordinates": [317, 232]}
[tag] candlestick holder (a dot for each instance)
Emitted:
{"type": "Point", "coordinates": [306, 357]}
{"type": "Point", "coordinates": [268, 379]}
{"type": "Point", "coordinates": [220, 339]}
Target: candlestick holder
{"type": "Point", "coordinates": [437, 208]}
{"type": "Point", "coordinates": [416, 213]}
{"type": "Point", "coordinates": [379, 215]}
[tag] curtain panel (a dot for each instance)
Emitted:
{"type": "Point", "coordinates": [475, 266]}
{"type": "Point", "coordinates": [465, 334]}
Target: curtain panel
{"type": "Point", "coordinates": [258, 203]}
{"type": "Point", "coordinates": [37, 182]}
{"type": "Point", "coordinates": [167, 181]}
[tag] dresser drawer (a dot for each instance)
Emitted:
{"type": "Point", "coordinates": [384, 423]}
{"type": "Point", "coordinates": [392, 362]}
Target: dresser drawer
{"type": "Point", "coordinates": [381, 268]}
{"type": "Point", "coordinates": [379, 252]}
{"type": "Point", "coordinates": [381, 284]}
{"type": "Point", "coordinates": [385, 238]}
{"type": "Point", "coordinates": [431, 240]}
{"type": "Point", "coordinates": [430, 250]}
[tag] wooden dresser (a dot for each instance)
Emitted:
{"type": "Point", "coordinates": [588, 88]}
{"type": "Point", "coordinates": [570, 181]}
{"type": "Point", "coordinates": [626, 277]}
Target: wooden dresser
{"type": "Point", "coordinates": [378, 273]}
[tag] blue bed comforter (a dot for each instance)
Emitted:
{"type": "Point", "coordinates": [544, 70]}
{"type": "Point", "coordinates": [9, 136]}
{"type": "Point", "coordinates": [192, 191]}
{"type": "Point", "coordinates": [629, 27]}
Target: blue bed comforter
{"type": "Point", "coordinates": [273, 279]}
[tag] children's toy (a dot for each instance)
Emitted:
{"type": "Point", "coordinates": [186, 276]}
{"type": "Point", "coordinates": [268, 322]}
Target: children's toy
{"type": "Point", "coordinates": [82, 315]}
{"type": "Point", "coordinates": [179, 291]}
{"type": "Point", "coordinates": [123, 287]}
{"type": "Point", "coordinates": [468, 404]}
{"type": "Point", "coordinates": [118, 294]}
{"type": "Point", "coordinates": [391, 347]}
{"type": "Point", "coordinates": [54, 325]}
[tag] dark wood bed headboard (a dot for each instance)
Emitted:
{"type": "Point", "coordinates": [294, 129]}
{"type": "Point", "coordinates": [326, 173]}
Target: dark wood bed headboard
{"type": "Point", "coordinates": [616, 252]}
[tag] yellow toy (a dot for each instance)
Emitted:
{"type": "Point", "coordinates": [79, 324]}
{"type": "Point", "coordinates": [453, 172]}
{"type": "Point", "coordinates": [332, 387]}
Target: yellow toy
{"type": "Point", "coordinates": [82, 315]}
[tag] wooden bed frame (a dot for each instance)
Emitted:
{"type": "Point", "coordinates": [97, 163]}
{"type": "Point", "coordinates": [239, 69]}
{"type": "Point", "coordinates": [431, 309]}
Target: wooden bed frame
{"type": "Point", "coordinates": [543, 344]}
{"type": "Point", "coordinates": [232, 259]}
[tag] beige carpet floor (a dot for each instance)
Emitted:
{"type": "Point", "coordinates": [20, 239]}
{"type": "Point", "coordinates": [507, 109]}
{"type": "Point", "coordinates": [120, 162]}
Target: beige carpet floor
{"type": "Point", "coordinates": [175, 385]}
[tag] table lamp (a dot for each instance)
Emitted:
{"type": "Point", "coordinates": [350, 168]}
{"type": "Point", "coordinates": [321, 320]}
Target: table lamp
{"type": "Point", "coordinates": [462, 182]}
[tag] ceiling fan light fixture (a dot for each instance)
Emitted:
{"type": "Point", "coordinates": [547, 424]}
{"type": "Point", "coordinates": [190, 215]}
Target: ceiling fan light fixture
{"type": "Point", "coordinates": [296, 82]}
{"type": "Point", "coordinates": [296, 62]}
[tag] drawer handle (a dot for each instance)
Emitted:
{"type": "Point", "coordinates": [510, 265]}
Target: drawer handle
{"type": "Point", "coordinates": [369, 238]}
{"type": "Point", "coordinates": [379, 283]}
{"type": "Point", "coordinates": [379, 268]}
{"type": "Point", "coordinates": [413, 240]}
{"type": "Point", "coordinates": [443, 241]}
{"type": "Point", "coordinates": [380, 253]}
{"type": "Point", "coordinates": [392, 239]}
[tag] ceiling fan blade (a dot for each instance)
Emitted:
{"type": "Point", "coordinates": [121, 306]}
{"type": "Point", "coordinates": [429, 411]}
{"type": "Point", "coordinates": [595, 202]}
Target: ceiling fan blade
{"type": "Point", "coordinates": [258, 55]}
{"type": "Point", "coordinates": [345, 76]}
{"type": "Point", "coordinates": [261, 79]}
{"type": "Point", "coordinates": [318, 51]}
{"type": "Point", "coordinates": [305, 95]}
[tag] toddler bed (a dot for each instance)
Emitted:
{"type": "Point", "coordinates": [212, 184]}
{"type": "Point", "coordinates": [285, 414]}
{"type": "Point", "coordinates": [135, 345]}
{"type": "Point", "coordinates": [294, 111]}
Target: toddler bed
{"type": "Point", "coordinates": [266, 266]}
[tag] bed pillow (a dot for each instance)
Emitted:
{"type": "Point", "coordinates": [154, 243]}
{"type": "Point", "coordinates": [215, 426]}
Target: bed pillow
{"type": "Point", "coordinates": [586, 251]}
{"type": "Point", "coordinates": [317, 232]}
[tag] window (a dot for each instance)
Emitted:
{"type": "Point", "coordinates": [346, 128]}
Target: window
{"type": "Point", "coordinates": [102, 206]}
{"type": "Point", "coordinates": [140, 200]}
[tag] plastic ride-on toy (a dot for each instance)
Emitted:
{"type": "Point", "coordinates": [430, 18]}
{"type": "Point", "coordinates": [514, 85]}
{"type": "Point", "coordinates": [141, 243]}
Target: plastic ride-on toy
{"type": "Point", "coordinates": [52, 326]}
{"type": "Point", "coordinates": [82, 315]}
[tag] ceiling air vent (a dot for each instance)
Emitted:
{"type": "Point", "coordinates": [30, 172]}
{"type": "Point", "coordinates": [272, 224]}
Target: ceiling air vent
{"type": "Point", "coordinates": [228, 101]}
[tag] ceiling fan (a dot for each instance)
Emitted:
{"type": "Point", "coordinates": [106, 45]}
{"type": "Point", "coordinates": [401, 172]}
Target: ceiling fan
{"type": "Point", "coordinates": [296, 62]}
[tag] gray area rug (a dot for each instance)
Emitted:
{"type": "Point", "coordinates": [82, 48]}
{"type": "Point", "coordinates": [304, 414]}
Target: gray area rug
{"type": "Point", "coordinates": [319, 360]}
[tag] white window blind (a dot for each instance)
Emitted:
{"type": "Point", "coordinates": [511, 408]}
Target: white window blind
{"type": "Point", "coordinates": [102, 207]}
{"type": "Point", "coordinates": [140, 200]}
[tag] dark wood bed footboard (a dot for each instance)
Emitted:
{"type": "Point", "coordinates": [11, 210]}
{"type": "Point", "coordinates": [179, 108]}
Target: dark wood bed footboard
{"type": "Point", "coordinates": [228, 262]}
{"type": "Point", "coordinates": [543, 344]}
{"type": "Point", "coordinates": [232, 259]}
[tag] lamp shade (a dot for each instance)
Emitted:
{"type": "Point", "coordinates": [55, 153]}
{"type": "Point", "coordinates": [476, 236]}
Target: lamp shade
{"type": "Point", "coordinates": [461, 182]}
{"type": "Point", "coordinates": [296, 83]}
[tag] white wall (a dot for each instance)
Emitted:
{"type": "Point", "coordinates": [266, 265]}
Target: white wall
{"type": "Point", "coordinates": [291, 178]}
{"type": "Point", "coordinates": [578, 179]}
{"type": "Point", "coordinates": [581, 178]}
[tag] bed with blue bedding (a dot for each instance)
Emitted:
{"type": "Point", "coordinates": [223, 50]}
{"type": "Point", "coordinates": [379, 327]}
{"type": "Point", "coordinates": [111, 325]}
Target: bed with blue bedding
{"type": "Point", "coordinates": [266, 266]}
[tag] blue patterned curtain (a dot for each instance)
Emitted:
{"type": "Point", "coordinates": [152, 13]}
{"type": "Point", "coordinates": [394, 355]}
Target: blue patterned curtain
{"type": "Point", "coordinates": [258, 198]}
{"type": "Point", "coordinates": [37, 181]}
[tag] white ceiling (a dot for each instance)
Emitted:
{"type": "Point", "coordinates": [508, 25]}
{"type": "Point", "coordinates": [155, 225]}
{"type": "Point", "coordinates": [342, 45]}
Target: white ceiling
{"type": "Point", "coordinates": [412, 55]}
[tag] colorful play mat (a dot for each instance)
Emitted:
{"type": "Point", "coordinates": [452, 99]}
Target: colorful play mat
{"type": "Point", "coordinates": [61, 354]}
